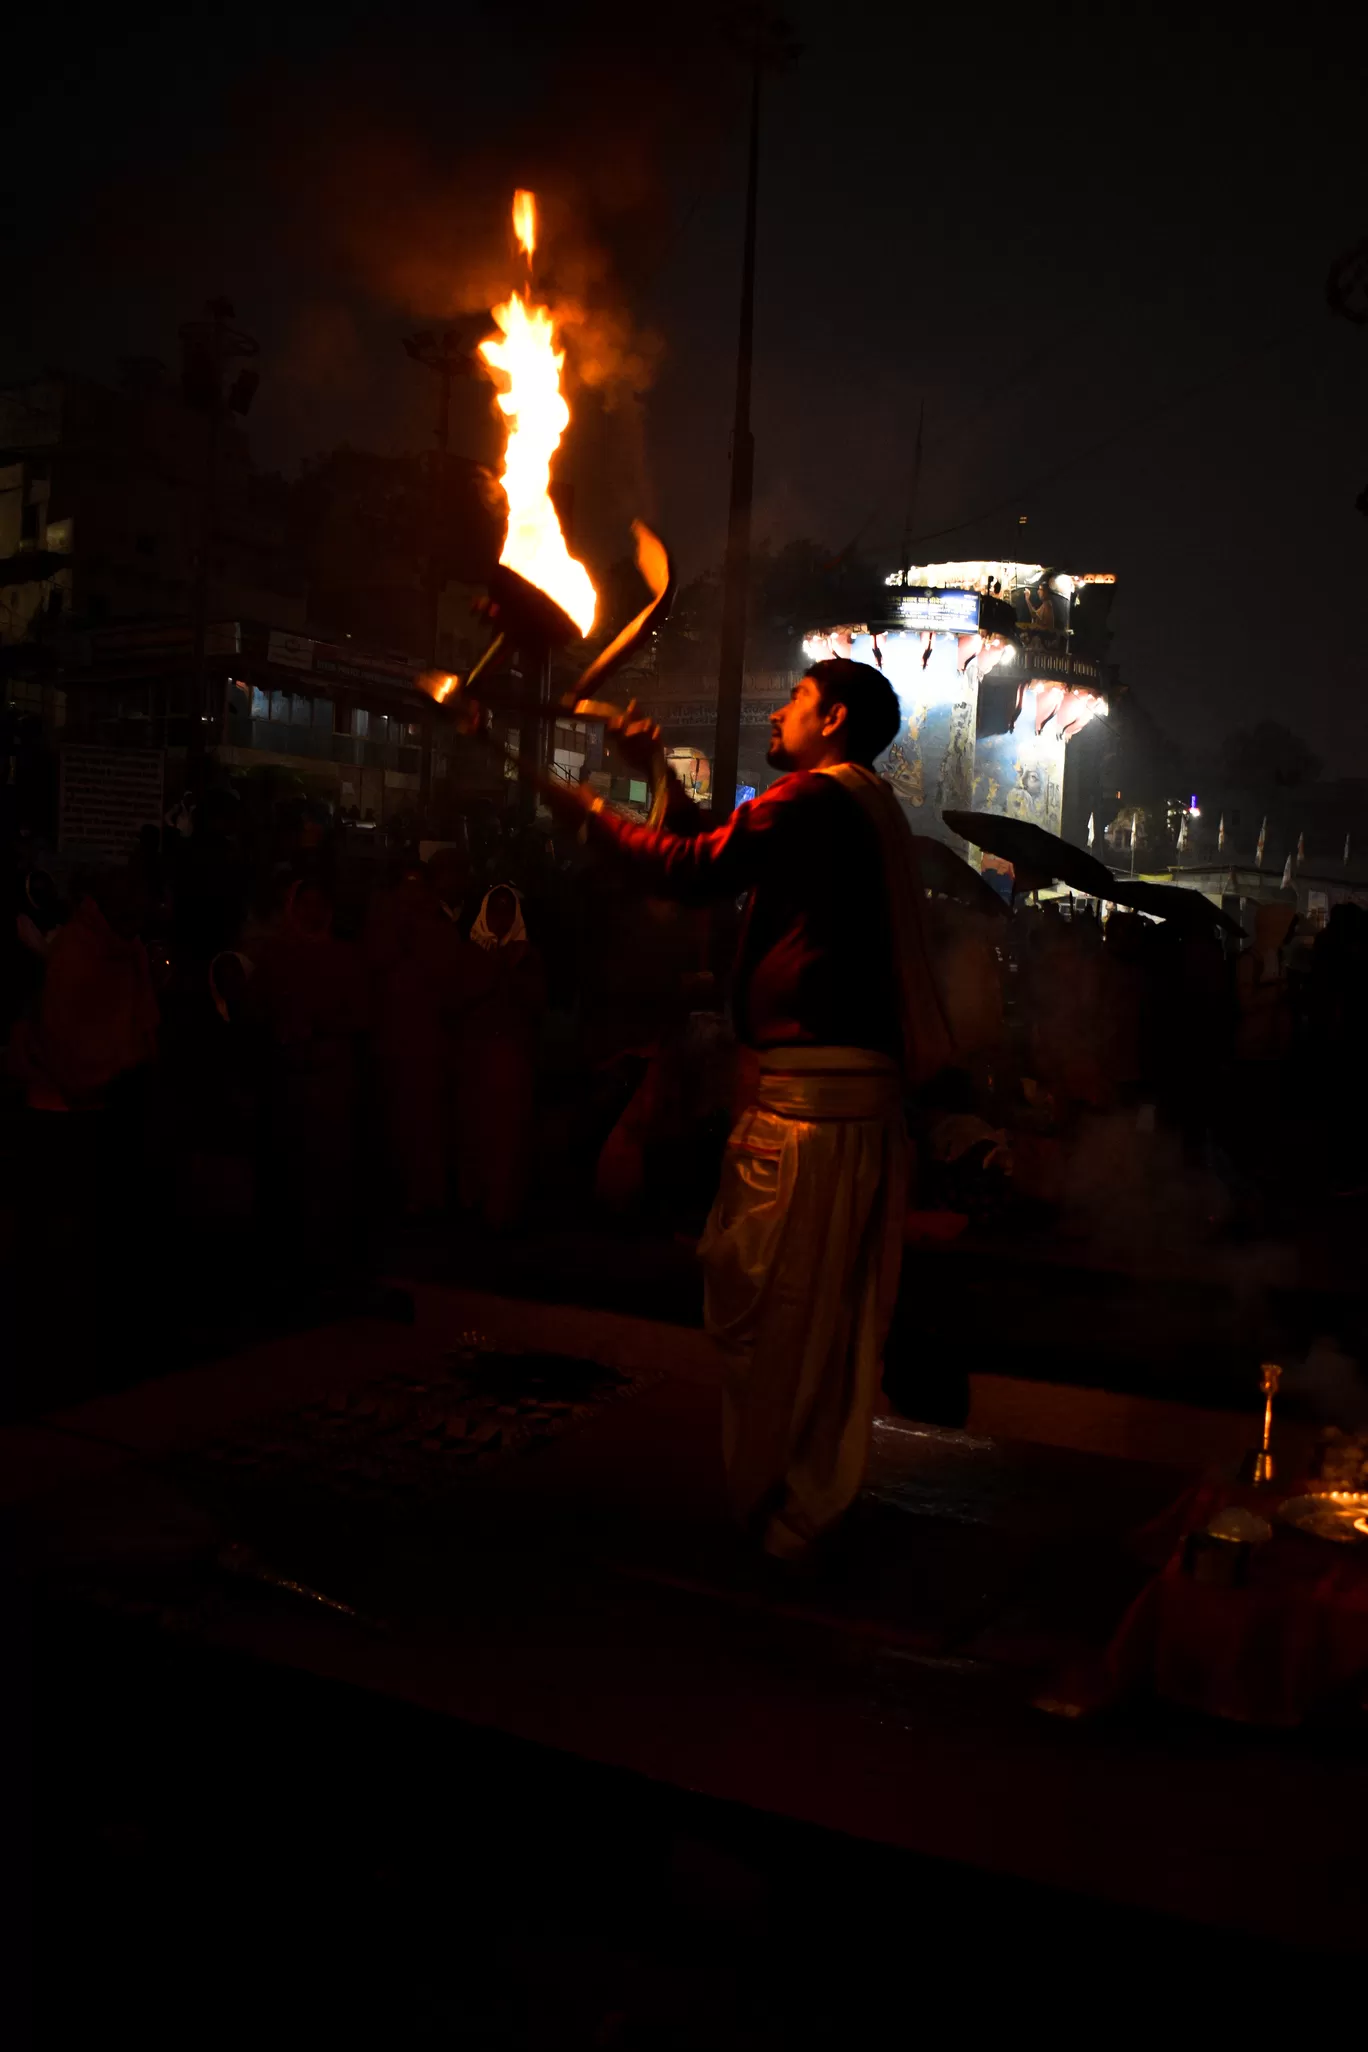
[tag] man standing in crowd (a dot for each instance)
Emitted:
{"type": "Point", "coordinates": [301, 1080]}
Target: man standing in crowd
{"type": "Point", "coordinates": [833, 990]}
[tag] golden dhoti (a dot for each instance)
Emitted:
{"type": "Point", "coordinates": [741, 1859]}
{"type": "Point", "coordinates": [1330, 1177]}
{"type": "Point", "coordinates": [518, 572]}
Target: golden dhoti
{"type": "Point", "coordinates": [800, 1260]}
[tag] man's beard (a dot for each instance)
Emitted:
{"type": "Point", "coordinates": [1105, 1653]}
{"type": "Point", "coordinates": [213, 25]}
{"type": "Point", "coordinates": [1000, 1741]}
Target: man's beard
{"type": "Point", "coordinates": [777, 755]}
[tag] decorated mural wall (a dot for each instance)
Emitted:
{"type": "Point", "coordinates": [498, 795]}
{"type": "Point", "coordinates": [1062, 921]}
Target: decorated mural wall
{"type": "Point", "coordinates": [991, 684]}
{"type": "Point", "coordinates": [931, 763]}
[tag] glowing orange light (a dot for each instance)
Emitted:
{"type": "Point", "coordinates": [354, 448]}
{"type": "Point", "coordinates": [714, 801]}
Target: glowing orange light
{"type": "Point", "coordinates": [525, 221]}
{"type": "Point", "coordinates": [525, 353]}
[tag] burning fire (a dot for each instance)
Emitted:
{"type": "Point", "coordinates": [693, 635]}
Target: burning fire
{"type": "Point", "coordinates": [525, 222]}
{"type": "Point", "coordinates": [525, 352]}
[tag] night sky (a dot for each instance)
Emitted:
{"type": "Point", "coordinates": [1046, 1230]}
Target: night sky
{"type": "Point", "coordinates": [1096, 249]}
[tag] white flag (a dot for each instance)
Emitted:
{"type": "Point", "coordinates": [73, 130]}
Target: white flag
{"type": "Point", "coordinates": [1220, 836]}
{"type": "Point", "coordinates": [1301, 849]}
{"type": "Point", "coordinates": [1092, 829]}
{"type": "Point", "coordinates": [1182, 835]}
{"type": "Point", "coordinates": [1287, 874]}
{"type": "Point", "coordinates": [1263, 835]}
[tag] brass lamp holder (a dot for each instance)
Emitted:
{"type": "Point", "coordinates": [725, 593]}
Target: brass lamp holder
{"type": "Point", "coordinates": [1257, 1465]}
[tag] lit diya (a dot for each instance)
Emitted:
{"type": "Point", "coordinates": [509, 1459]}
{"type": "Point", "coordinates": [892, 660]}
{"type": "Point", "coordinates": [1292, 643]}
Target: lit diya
{"type": "Point", "coordinates": [1340, 1515]}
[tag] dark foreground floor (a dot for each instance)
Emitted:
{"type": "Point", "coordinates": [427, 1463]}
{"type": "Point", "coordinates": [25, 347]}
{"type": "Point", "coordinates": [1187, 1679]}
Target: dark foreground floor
{"type": "Point", "coordinates": [595, 1783]}
{"type": "Point", "coordinates": [229, 1855]}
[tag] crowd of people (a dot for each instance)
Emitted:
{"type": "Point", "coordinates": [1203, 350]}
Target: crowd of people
{"type": "Point", "coordinates": [281, 1043]}
{"type": "Point", "coordinates": [266, 1046]}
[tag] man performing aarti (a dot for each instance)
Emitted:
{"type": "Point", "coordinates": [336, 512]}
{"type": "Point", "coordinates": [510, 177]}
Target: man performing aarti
{"type": "Point", "coordinates": [833, 990]}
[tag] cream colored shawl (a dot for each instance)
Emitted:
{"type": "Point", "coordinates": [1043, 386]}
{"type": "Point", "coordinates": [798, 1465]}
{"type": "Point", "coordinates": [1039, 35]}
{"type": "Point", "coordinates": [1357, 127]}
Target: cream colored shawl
{"type": "Point", "coordinates": [927, 1041]}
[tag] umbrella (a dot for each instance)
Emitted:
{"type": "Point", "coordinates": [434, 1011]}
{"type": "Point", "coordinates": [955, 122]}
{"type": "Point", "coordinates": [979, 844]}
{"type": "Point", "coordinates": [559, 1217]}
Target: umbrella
{"type": "Point", "coordinates": [1174, 902]}
{"type": "Point", "coordinates": [949, 876]}
{"type": "Point", "coordinates": [1028, 847]}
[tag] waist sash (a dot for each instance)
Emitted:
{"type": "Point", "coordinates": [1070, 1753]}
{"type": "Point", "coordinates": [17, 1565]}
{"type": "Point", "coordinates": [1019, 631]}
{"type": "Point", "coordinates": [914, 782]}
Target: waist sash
{"type": "Point", "coordinates": [828, 1083]}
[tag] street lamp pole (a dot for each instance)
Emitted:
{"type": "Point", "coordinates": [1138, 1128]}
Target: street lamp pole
{"type": "Point", "coordinates": [448, 352]}
{"type": "Point", "coordinates": [736, 565]}
{"type": "Point", "coordinates": [769, 46]}
{"type": "Point", "coordinates": [207, 347]}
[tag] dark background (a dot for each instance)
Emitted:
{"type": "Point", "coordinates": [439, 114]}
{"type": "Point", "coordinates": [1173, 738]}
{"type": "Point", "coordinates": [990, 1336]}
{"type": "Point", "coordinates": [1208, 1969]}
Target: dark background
{"type": "Point", "coordinates": [1097, 248]}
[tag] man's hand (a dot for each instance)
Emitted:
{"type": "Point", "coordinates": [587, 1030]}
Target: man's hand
{"type": "Point", "coordinates": [569, 804]}
{"type": "Point", "coordinates": [637, 737]}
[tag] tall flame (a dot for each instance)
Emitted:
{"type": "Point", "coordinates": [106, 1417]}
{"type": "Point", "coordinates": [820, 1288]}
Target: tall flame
{"type": "Point", "coordinates": [525, 221]}
{"type": "Point", "coordinates": [537, 415]}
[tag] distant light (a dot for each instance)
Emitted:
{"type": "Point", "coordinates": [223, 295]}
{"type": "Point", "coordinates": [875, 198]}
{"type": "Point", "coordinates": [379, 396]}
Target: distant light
{"type": "Point", "coordinates": [1194, 811]}
{"type": "Point", "coordinates": [1193, 806]}
{"type": "Point", "coordinates": [1064, 586]}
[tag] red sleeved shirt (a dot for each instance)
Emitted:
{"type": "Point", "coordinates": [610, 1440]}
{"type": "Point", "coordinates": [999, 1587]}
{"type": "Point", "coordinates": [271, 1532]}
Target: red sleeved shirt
{"type": "Point", "coordinates": [815, 965]}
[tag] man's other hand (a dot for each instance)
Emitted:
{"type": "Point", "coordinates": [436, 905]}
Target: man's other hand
{"type": "Point", "coordinates": [569, 804]}
{"type": "Point", "coordinates": [637, 737]}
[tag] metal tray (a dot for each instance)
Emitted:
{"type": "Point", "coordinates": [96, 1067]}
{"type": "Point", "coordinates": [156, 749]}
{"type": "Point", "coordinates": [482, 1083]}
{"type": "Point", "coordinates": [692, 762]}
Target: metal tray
{"type": "Point", "coordinates": [1340, 1515]}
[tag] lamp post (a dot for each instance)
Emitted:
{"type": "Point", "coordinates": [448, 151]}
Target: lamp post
{"type": "Point", "coordinates": [768, 45]}
{"type": "Point", "coordinates": [448, 353]}
{"type": "Point", "coordinates": [207, 348]}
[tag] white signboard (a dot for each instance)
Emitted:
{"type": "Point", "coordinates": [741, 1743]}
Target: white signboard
{"type": "Point", "coordinates": [108, 795]}
{"type": "Point", "coordinates": [954, 612]}
{"type": "Point", "coordinates": [293, 651]}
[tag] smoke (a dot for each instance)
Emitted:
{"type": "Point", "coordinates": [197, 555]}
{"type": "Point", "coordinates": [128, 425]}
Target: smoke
{"type": "Point", "coordinates": [407, 208]}
{"type": "Point", "coordinates": [322, 350]}
{"type": "Point", "coordinates": [345, 192]}
{"type": "Point", "coordinates": [376, 213]}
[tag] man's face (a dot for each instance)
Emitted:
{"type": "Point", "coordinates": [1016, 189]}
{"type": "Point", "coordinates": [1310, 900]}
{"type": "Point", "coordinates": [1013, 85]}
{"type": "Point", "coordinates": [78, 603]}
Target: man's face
{"type": "Point", "coordinates": [801, 731]}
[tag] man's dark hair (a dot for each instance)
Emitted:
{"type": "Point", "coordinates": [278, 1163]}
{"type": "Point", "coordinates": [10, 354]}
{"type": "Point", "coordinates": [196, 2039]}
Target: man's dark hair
{"type": "Point", "coordinates": [873, 715]}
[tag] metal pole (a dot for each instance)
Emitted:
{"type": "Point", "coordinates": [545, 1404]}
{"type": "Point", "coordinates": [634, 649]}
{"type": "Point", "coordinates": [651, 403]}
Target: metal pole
{"type": "Point", "coordinates": [912, 495]}
{"type": "Point", "coordinates": [435, 509]}
{"type": "Point", "coordinates": [736, 567]}
{"type": "Point", "coordinates": [199, 693]}
{"type": "Point", "coordinates": [543, 739]}
{"type": "Point", "coordinates": [439, 480]}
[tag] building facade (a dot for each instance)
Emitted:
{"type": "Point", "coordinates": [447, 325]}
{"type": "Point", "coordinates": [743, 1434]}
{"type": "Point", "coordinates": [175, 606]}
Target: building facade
{"type": "Point", "coordinates": [1000, 678]}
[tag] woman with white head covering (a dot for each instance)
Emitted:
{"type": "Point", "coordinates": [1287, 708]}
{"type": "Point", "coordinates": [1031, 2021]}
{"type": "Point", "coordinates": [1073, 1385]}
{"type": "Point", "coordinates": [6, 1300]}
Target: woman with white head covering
{"type": "Point", "coordinates": [499, 1061]}
{"type": "Point", "coordinates": [499, 922]}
